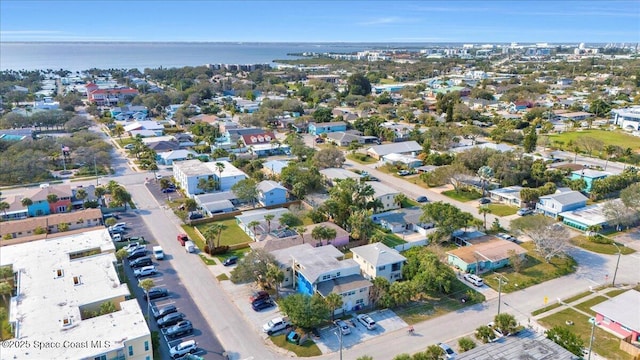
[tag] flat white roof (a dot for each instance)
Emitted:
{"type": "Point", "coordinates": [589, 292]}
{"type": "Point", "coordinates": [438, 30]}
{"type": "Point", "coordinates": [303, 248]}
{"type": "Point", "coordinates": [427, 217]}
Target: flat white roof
{"type": "Point", "coordinates": [45, 299]}
{"type": "Point", "coordinates": [588, 215]}
{"type": "Point", "coordinates": [199, 168]}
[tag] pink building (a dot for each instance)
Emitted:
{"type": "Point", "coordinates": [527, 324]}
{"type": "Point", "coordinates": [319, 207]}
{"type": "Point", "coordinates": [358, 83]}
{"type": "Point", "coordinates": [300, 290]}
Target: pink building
{"type": "Point", "coordinates": [621, 315]}
{"type": "Point", "coordinates": [342, 235]}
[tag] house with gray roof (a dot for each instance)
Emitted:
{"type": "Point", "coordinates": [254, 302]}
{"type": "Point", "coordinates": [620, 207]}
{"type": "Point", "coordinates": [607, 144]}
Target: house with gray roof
{"type": "Point", "coordinates": [379, 260]}
{"type": "Point", "coordinates": [620, 314]}
{"type": "Point", "coordinates": [323, 270]}
{"type": "Point", "coordinates": [404, 148]}
{"type": "Point", "coordinates": [271, 193]}
{"type": "Point", "coordinates": [334, 175]}
{"type": "Point", "coordinates": [553, 205]}
{"type": "Point", "coordinates": [508, 195]}
{"type": "Point", "coordinates": [386, 195]}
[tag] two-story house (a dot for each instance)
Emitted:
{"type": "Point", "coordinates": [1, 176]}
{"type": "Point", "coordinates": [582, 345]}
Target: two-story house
{"type": "Point", "coordinates": [271, 193]}
{"type": "Point", "coordinates": [323, 270]}
{"type": "Point", "coordinates": [327, 127]}
{"type": "Point", "coordinates": [386, 195]}
{"type": "Point", "coordinates": [553, 205]}
{"type": "Point", "coordinates": [42, 199]}
{"type": "Point", "coordinates": [379, 260]}
{"type": "Point", "coordinates": [589, 176]}
{"type": "Point", "coordinates": [189, 172]}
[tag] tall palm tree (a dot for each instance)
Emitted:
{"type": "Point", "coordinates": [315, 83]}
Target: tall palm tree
{"type": "Point", "coordinates": [485, 173]}
{"type": "Point", "coordinates": [253, 225]}
{"type": "Point", "coordinates": [81, 194]}
{"type": "Point", "coordinates": [399, 199]}
{"type": "Point", "coordinates": [275, 276]}
{"type": "Point", "coordinates": [321, 233]}
{"type": "Point", "coordinates": [220, 168]}
{"type": "Point", "coordinates": [216, 230]}
{"type": "Point", "coordinates": [484, 210]}
{"type": "Point", "coordinates": [4, 206]}
{"type": "Point", "coordinates": [268, 219]}
{"type": "Point", "coordinates": [26, 202]}
{"type": "Point", "coordinates": [146, 285]}
{"type": "Point", "coordinates": [300, 230]}
{"type": "Point", "coordinates": [333, 301]}
{"type": "Point", "coordinates": [100, 192]}
{"type": "Point", "coordinates": [610, 150]}
{"type": "Point", "coordinates": [118, 130]}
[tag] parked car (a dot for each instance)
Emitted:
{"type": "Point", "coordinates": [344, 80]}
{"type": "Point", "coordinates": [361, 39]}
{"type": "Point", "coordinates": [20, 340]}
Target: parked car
{"type": "Point", "coordinates": [319, 140]}
{"type": "Point", "coordinates": [158, 253]}
{"type": "Point", "coordinates": [183, 327]}
{"type": "Point", "coordinates": [171, 319]}
{"type": "Point", "coordinates": [507, 237]}
{"type": "Point", "coordinates": [145, 271]}
{"type": "Point", "coordinates": [524, 212]}
{"type": "Point", "coordinates": [182, 238]}
{"type": "Point", "coordinates": [343, 326]}
{"type": "Point", "coordinates": [112, 215]}
{"type": "Point", "coordinates": [138, 253]}
{"type": "Point", "coordinates": [230, 261]}
{"type": "Point", "coordinates": [117, 237]}
{"type": "Point", "coordinates": [129, 147]}
{"type": "Point", "coordinates": [404, 172]}
{"type": "Point", "coordinates": [475, 280]}
{"type": "Point", "coordinates": [156, 293]}
{"type": "Point", "coordinates": [131, 247]}
{"type": "Point", "coordinates": [168, 190]}
{"type": "Point", "coordinates": [189, 246]}
{"type": "Point", "coordinates": [183, 348]}
{"type": "Point", "coordinates": [484, 201]}
{"type": "Point", "coordinates": [422, 199]}
{"type": "Point", "coordinates": [367, 321]}
{"type": "Point", "coordinates": [163, 311]}
{"type": "Point", "coordinates": [448, 351]}
{"type": "Point", "coordinates": [141, 262]}
{"type": "Point", "coordinates": [139, 239]}
{"type": "Point", "coordinates": [275, 325]}
{"type": "Point", "coordinates": [496, 331]}
{"type": "Point", "coordinates": [259, 295]}
{"type": "Point", "coordinates": [159, 176]}
{"type": "Point", "coordinates": [293, 337]}
{"type": "Point", "coordinates": [194, 216]}
{"type": "Point", "coordinates": [262, 304]}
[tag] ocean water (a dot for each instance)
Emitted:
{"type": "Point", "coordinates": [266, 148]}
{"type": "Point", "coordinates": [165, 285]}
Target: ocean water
{"type": "Point", "coordinates": [103, 55]}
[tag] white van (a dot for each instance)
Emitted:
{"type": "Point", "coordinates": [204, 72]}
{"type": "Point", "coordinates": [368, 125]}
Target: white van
{"type": "Point", "coordinates": [189, 246]}
{"type": "Point", "coordinates": [158, 253]}
{"type": "Point", "coordinates": [475, 280]}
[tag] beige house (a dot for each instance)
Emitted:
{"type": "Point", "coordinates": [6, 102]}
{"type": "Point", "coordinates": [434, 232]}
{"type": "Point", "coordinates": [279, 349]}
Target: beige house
{"type": "Point", "coordinates": [386, 195]}
{"type": "Point", "coordinates": [51, 223]}
{"type": "Point", "coordinates": [379, 260]}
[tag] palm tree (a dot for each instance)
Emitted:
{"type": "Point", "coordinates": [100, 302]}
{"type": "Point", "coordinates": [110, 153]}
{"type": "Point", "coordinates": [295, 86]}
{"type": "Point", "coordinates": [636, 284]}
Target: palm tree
{"type": "Point", "coordinates": [220, 168]}
{"type": "Point", "coordinates": [321, 233]}
{"type": "Point", "coordinates": [399, 199]}
{"type": "Point", "coordinates": [275, 276]}
{"type": "Point", "coordinates": [26, 202]}
{"type": "Point", "coordinates": [610, 150]}
{"type": "Point", "coordinates": [218, 229]}
{"type": "Point", "coordinates": [5, 290]}
{"type": "Point", "coordinates": [268, 219]}
{"type": "Point", "coordinates": [100, 192]}
{"type": "Point", "coordinates": [118, 130]}
{"type": "Point", "coordinates": [81, 194]}
{"type": "Point", "coordinates": [485, 173]}
{"type": "Point", "coordinates": [146, 285]}
{"type": "Point", "coordinates": [4, 206]}
{"type": "Point", "coordinates": [484, 210]}
{"type": "Point", "coordinates": [253, 225]}
{"type": "Point", "coordinates": [300, 230]}
{"type": "Point", "coordinates": [333, 301]}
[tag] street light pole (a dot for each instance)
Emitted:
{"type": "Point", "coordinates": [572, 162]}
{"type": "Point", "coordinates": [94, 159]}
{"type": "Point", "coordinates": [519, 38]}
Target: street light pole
{"type": "Point", "coordinates": [500, 279]}
{"type": "Point", "coordinates": [615, 273]}
{"type": "Point", "coordinates": [339, 335]}
{"type": "Point", "coordinates": [593, 329]}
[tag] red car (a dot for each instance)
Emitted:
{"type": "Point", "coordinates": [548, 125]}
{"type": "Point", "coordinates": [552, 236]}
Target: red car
{"type": "Point", "coordinates": [259, 295]}
{"type": "Point", "coordinates": [182, 238]}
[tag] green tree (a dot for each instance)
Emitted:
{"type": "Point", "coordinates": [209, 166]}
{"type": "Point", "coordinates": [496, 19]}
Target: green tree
{"type": "Point", "coordinates": [207, 185]}
{"type": "Point", "coordinates": [305, 311]}
{"type": "Point", "coordinates": [433, 352]}
{"type": "Point", "coordinates": [361, 225]}
{"type": "Point", "coordinates": [530, 140]}
{"type": "Point", "coordinates": [328, 158]}
{"type": "Point", "coordinates": [506, 323]}
{"type": "Point", "coordinates": [484, 210]}
{"type": "Point", "coordinates": [485, 334]}
{"type": "Point", "coordinates": [253, 267]}
{"type": "Point", "coordinates": [100, 192]}
{"type": "Point", "coordinates": [146, 285]}
{"type": "Point", "coordinates": [365, 357]}
{"type": "Point", "coordinates": [26, 202]}
{"type": "Point", "coordinates": [253, 225]}
{"type": "Point", "coordinates": [5, 290]}
{"type": "Point", "coordinates": [275, 276]}
{"type": "Point", "coordinates": [121, 255]}
{"type": "Point", "coordinates": [107, 308]}
{"type": "Point", "coordinates": [52, 198]}
{"type": "Point", "coordinates": [358, 84]}
{"type": "Point", "coordinates": [268, 218]}
{"type": "Point", "coordinates": [81, 194]}
{"type": "Point", "coordinates": [446, 217]}
{"type": "Point", "coordinates": [466, 344]}
{"type": "Point", "coordinates": [110, 221]}
{"type": "Point", "coordinates": [630, 196]}
{"type": "Point", "coordinates": [322, 115]}
{"type": "Point", "coordinates": [323, 233]}
{"type": "Point", "coordinates": [402, 357]}
{"type": "Point", "coordinates": [564, 337]}
{"type": "Point", "coordinates": [289, 220]}
{"type": "Point", "coordinates": [190, 205]}
{"type": "Point", "coordinates": [118, 130]}
{"type": "Point", "coordinates": [4, 206]}
{"type": "Point", "coordinates": [246, 190]}
{"type": "Point", "coordinates": [334, 301]}
{"type": "Point", "coordinates": [427, 272]}
{"type": "Point", "coordinates": [214, 232]}
{"type": "Point", "coordinates": [400, 199]}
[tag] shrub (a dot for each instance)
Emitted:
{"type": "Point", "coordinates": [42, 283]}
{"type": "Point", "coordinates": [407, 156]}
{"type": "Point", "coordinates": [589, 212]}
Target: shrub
{"type": "Point", "coordinates": [466, 344]}
{"type": "Point", "coordinates": [485, 334]}
{"type": "Point", "coordinates": [219, 250]}
{"type": "Point", "coordinates": [600, 240]}
{"type": "Point", "coordinates": [206, 249]}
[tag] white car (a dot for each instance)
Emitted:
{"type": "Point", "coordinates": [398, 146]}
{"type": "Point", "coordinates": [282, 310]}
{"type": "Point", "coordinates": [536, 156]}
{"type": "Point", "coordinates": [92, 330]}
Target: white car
{"type": "Point", "coordinates": [496, 331]}
{"type": "Point", "coordinates": [275, 325]}
{"type": "Point", "coordinates": [448, 351]}
{"type": "Point", "coordinates": [158, 176]}
{"type": "Point", "coordinates": [183, 348]}
{"type": "Point", "coordinates": [132, 247]}
{"type": "Point", "coordinates": [343, 326]}
{"type": "Point", "coordinates": [367, 321]}
{"type": "Point", "coordinates": [145, 271]}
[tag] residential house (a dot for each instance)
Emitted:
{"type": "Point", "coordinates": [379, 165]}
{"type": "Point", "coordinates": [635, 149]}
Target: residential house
{"type": "Point", "coordinates": [574, 116]}
{"type": "Point", "coordinates": [403, 148]}
{"type": "Point", "coordinates": [60, 283]}
{"type": "Point", "coordinates": [620, 315]}
{"type": "Point", "coordinates": [342, 138]}
{"type": "Point", "coordinates": [341, 239]}
{"type": "Point", "coordinates": [163, 146]}
{"type": "Point", "coordinates": [271, 193]}
{"type": "Point", "coordinates": [152, 127]}
{"type": "Point", "coordinates": [328, 127]}
{"type": "Point", "coordinates": [408, 161]}
{"type": "Point", "coordinates": [323, 270]}
{"type": "Point", "coordinates": [16, 210]}
{"type": "Point", "coordinates": [585, 217]}
{"type": "Point", "coordinates": [589, 176]}
{"type": "Point", "coordinates": [264, 144]}
{"type": "Point", "coordinates": [215, 203]}
{"type": "Point", "coordinates": [108, 97]}
{"type": "Point", "coordinates": [378, 260]}
{"type": "Point", "coordinates": [169, 157]}
{"type": "Point", "coordinates": [264, 227]}
{"type": "Point", "coordinates": [188, 173]}
{"type": "Point", "coordinates": [553, 205]}
{"type": "Point", "coordinates": [91, 196]}
{"type": "Point", "coordinates": [519, 106]}
{"type": "Point", "coordinates": [274, 167]}
{"type": "Point", "coordinates": [42, 206]}
{"type": "Point", "coordinates": [628, 118]}
{"type": "Point", "coordinates": [51, 223]}
{"type": "Point", "coordinates": [335, 175]}
{"type": "Point", "coordinates": [484, 256]}
{"type": "Point", "coordinates": [402, 220]}
{"type": "Point", "coordinates": [487, 145]}
{"type": "Point", "coordinates": [136, 112]}
{"type": "Point", "coordinates": [386, 195]}
{"type": "Point", "coordinates": [508, 195]}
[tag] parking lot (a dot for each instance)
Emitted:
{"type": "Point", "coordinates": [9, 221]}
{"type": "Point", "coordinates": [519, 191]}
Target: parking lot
{"type": "Point", "coordinates": [167, 278]}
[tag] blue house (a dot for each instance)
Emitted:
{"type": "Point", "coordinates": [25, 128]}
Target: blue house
{"type": "Point", "coordinates": [271, 193]}
{"type": "Point", "coordinates": [589, 176]}
{"type": "Point", "coordinates": [553, 205]}
{"type": "Point", "coordinates": [328, 127]}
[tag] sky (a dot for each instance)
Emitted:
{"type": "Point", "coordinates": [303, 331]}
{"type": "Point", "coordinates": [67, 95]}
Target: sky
{"type": "Point", "coordinates": [322, 21]}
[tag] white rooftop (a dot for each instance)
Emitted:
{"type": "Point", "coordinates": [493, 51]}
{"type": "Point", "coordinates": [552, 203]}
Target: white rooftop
{"type": "Point", "coordinates": [199, 168]}
{"type": "Point", "coordinates": [378, 254]}
{"type": "Point", "coordinates": [381, 189]}
{"type": "Point", "coordinates": [588, 215]}
{"type": "Point", "coordinates": [52, 288]}
{"type": "Point", "coordinates": [623, 309]}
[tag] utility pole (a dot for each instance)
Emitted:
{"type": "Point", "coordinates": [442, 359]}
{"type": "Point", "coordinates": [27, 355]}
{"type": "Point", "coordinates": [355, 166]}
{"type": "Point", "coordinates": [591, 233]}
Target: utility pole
{"type": "Point", "coordinates": [339, 335]}
{"type": "Point", "coordinates": [615, 273]}
{"type": "Point", "coordinates": [500, 279]}
{"type": "Point", "coordinates": [95, 170]}
{"type": "Point", "coordinates": [593, 330]}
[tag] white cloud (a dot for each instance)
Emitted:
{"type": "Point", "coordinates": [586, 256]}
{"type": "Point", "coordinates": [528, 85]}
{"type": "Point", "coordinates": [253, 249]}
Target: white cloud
{"type": "Point", "coordinates": [386, 21]}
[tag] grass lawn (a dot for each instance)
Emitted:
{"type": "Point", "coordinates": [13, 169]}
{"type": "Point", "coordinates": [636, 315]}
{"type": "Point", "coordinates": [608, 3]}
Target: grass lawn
{"type": "Point", "coordinates": [206, 259]}
{"type": "Point", "coordinates": [222, 277]}
{"type": "Point", "coordinates": [409, 203]}
{"type": "Point", "coordinates": [617, 292]}
{"type": "Point", "coordinates": [361, 158]}
{"type": "Point", "coordinates": [576, 297]}
{"type": "Point", "coordinates": [586, 305]}
{"type": "Point", "coordinates": [607, 137]}
{"type": "Point", "coordinates": [604, 343]}
{"type": "Point", "coordinates": [502, 209]}
{"type": "Point", "coordinates": [545, 309]}
{"type": "Point", "coordinates": [308, 349]}
{"type": "Point", "coordinates": [232, 235]}
{"type": "Point", "coordinates": [237, 252]}
{"type": "Point", "coordinates": [124, 141]}
{"type": "Point", "coordinates": [387, 81]}
{"type": "Point", "coordinates": [391, 240]}
{"type": "Point", "coordinates": [461, 195]}
{"type": "Point", "coordinates": [535, 271]}
{"type": "Point", "coordinates": [438, 304]}
{"type": "Point", "coordinates": [608, 249]}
